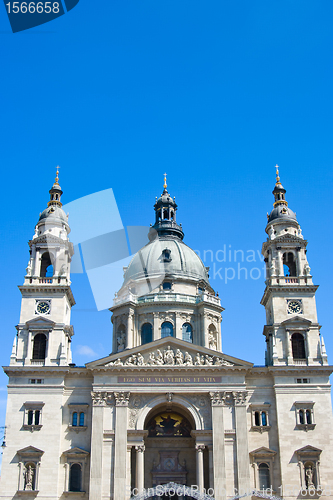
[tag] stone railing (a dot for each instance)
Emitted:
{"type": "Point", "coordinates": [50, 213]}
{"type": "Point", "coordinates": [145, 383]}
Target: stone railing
{"type": "Point", "coordinates": [167, 297]}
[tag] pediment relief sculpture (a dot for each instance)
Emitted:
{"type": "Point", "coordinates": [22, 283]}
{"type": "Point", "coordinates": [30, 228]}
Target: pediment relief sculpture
{"type": "Point", "coordinates": [170, 357]}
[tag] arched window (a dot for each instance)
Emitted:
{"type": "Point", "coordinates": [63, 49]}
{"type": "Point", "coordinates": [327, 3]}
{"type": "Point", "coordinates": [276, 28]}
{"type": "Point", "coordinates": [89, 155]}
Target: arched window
{"type": "Point", "coordinates": [39, 347]}
{"type": "Point", "coordinates": [75, 477]}
{"type": "Point", "coordinates": [167, 285]}
{"type": "Point", "coordinates": [308, 417]}
{"type": "Point", "coordinates": [46, 267]}
{"type": "Point", "coordinates": [165, 214]}
{"type": "Point", "coordinates": [167, 329]}
{"type": "Point", "coordinates": [264, 477]}
{"type": "Point", "coordinates": [264, 418]}
{"type": "Point", "coordinates": [30, 417]}
{"type": "Point", "coordinates": [146, 333]}
{"type": "Point", "coordinates": [81, 421]}
{"type": "Point", "coordinates": [187, 332]}
{"type": "Point", "coordinates": [298, 346]}
{"type": "Point", "coordinates": [289, 265]}
{"type": "Point", "coordinates": [74, 419]}
{"type": "Point", "coordinates": [257, 418]}
{"type": "Point", "coordinates": [301, 417]}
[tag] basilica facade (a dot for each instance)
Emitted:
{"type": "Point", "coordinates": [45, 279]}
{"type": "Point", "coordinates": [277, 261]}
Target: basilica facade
{"type": "Point", "coordinates": [168, 406]}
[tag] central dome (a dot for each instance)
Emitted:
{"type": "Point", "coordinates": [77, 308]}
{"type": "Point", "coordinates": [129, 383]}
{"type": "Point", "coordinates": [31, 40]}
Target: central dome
{"type": "Point", "coordinates": [166, 256]}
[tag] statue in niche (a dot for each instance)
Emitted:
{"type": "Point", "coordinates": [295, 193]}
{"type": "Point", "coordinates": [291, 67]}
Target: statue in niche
{"type": "Point", "coordinates": [307, 269]}
{"type": "Point", "coordinates": [29, 477]}
{"type": "Point", "coordinates": [121, 339]}
{"type": "Point", "coordinates": [169, 356]}
{"type": "Point", "coordinates": [309, 477]}
{"type": "Point", "coordinates": [212, 341]}
{"type": "Point", "coordinates": [29, 269]}
{"type": "Point", "coordinates": [188, 359]}
{"type": "Point", "coordinates": [179, 357]}
{"type": "Point", "coordinates": [271, 233]}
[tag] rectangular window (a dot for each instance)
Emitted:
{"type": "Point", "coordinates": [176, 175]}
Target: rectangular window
{"type": "Point", "coordinates": [32, 415]}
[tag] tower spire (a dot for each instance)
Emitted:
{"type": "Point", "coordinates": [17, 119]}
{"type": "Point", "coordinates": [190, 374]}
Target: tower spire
{"type": "Point", "coordinates": [279, 191]}
{"type": "Point", "coordinates": [55, 192]}
{"type": "Point", "coordinates": [165, 181]}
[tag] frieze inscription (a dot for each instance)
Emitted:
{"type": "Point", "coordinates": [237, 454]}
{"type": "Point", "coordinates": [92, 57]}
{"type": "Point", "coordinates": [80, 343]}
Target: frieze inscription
{"type": "Point", "coordinates": [168, 380]}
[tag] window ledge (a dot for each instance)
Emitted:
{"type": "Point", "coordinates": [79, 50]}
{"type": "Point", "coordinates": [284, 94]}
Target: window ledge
{"type": "Point", "coordinates": [27, 492]}
{"type": "Point", "coordinates": [77, 428]}
{"type": "Point", "coordinates": [305, 427]}
{"type": "Point", "coordinates": [73, 493]}
{"type": "Point", "coordinates": [260, 428]}
{"type": "Point", "coordinates": [31, 428]}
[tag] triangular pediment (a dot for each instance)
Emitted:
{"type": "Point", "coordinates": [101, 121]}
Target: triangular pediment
{"type": "Point", "coordinates": [168, 351]}
{"type": "Point", "coordinates": [308, 449]}
{"type": "Point", "coordinates": [263, 452]}
{"type": "Point", "coordinates": [30, 451]}
{"type": "Point", "coordinates": [76, 452]}
{"type": "Point", "coordinates": [40, 322]}
{"type": "Point", "coordinates": [296, 319]}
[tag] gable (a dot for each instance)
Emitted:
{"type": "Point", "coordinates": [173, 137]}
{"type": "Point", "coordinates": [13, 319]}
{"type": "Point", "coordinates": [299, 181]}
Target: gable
{"type": "Point", "coordinates": [41, 323]}
{"type": "Point", "coordinates": [168, 351]}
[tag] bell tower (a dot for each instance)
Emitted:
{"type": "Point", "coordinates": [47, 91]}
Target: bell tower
{"type": "Point", "coordinates": [292, 331]}
{"type": "Point", "coordinates": [44, 331]}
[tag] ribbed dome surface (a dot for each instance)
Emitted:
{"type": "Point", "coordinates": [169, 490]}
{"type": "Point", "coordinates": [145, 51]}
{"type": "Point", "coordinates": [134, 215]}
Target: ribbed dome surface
{"type": "Point", "coordinates": [152, 260]}
{"type": "Point", "coordinates": [282, 212]}
{"type": "Point", "coordinates": [53, 213]}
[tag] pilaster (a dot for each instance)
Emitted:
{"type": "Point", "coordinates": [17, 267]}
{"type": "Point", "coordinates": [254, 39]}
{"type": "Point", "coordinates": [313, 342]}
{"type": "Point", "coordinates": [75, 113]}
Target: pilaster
{"type": "Point", "coordinates": [119, 490]}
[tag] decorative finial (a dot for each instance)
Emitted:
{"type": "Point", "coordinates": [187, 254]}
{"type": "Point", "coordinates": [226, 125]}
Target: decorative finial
{"type": "Point", "coordinates": [277, 174]}
{"type": "Point", "coordinates": [57, 176]}
{"type": "Point", "coordinates": [165, 183]}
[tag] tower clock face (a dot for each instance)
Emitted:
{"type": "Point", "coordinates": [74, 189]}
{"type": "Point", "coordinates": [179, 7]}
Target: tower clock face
{"type": "Point", "coordinates": [294, 307]}
{"type": "Point", "coordinates": [43, 307]}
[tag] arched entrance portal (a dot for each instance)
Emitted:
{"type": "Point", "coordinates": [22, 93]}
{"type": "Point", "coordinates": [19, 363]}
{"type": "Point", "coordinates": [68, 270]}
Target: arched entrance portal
{"type": "Point", "coordinates": [170, 454]}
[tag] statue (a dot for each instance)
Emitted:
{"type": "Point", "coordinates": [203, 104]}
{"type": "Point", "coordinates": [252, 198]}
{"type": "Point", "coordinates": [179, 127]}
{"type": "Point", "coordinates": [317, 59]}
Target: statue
{"type": "Point", "coordinates": [121, 339]}
{"type": "Point", "coordinates": [212, 341]}
{"type": "Point", "coordinates": [29, 476]}
{"type": "Point", "coordinates": [169, 356]}
{"type": "Point", "coordinates": [188, 359]}
{"type": "Point", "coordinates": [197, 360]}
{"type": "Point", "coordinates": [271, 233]}
{"type": "Point", "coordinates": [309, 477]}
{"type": "Point", "coordinates": [159, 358]}
{"type": "Point", "coordinates": [62, 270]}
{"type": "Point", "coordinates": [208, 360]}
{"type": "Point", "coordinates": [151, 359]}
{"type": "Point", "coordinates": [131, 360]}
{"type": "Point", "coordinates": [29, 269]}
{"type": "Point", "coordinates": [140, 359]}
{"type": "Point", "coordinates": [307, 269]}
{"type": "Point", "coordinates": [179, 357]}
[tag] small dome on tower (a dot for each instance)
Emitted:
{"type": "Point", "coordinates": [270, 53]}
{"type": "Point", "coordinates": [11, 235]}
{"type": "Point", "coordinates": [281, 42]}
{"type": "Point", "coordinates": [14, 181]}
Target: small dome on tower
{"type": "Point", "coordinates": [280, 210]}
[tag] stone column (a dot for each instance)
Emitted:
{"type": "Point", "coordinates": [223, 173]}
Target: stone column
{"type": "Point", "coordinates": [242, 448]}
{"type": "Point", "coordinates": [289, 350]}
{"type": "Point", "coordinates": [219, 475]}
{"type": "Point", "coordinates": [156, 333]}
{"type": "Point", "coordinates": [29, 349]}
{"type": "Point", "coordinates": [211, 465]}
{"type": "Point", "coordinates": [140, 471]}
{"type": "Point", "coordinates": [129, 336]}
{"type": "Point", "coordinates": [199, 448]}
{"type": "Point", "coordinates": [120, 451]}
{"type": "Point", "coordinates": [96, 455]}
{"type": "Point", "coordinates": [299, 271]}
{"type": "Point", "coordinates": [178, 332]}
{"type": "Point", "coordinates": [280, 262]}
{"type": "Point", "coordinates": [128, 471]}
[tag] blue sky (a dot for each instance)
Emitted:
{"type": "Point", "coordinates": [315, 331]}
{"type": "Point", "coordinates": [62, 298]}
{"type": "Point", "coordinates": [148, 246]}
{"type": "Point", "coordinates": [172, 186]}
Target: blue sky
{"type": "Point", "coordinates": [215, 94]}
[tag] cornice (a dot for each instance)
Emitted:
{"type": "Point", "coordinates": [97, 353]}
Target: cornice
{"type": "Point", "coordinates": [292, 370]}
{"type": "Point", "coordinates": [44, 370]}
{"type": "Point", "coordinates": [282, 289]}
{"type": "Point", "coordinates": [168, 368]}
{"type": "Point", "coordinates": [48, 289]}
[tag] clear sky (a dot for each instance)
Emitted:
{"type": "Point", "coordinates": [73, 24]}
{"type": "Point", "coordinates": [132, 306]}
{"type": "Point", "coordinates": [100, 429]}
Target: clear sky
{"type": "Point", "coordinates": [215, 94]}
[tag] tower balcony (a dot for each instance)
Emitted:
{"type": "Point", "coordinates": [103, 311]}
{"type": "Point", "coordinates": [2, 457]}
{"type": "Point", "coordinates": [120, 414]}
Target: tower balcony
{"type": "Point", "coordinates": [289, 280]}
{"type": "Point", "coordinates": [53, 280]}
{"type": "Point", "coordinates": [167, 297]}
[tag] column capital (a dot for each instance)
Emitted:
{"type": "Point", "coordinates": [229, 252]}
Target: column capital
{"type": "Point", "coordinates": [100, 398]}
{"type": "Point", "coordinates": [199, 448]}
{"type": "Point", "coordinates": [240, 397]}
{"type": "Point", "coordinates": [221, 398]}
{"type": "Point", "coordinates": [140, 448]}
{"type": "Point", "coordinates": [121, 398]}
